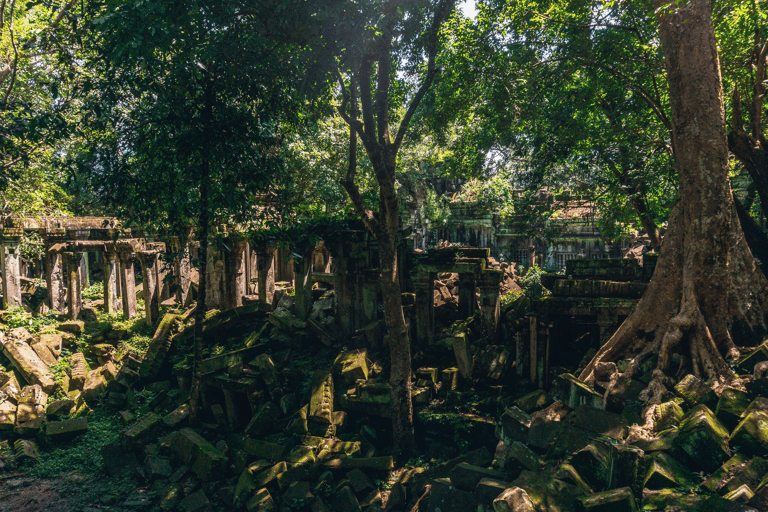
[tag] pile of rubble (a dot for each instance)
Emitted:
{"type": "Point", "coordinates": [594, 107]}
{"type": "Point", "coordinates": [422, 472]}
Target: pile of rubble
{"type": "Point", "coordinates": [290, 421]}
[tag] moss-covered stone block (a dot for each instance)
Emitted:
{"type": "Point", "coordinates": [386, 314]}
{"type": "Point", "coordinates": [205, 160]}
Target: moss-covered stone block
{"type": "Point", "coordinates": [731, 407]}
{"type": "Point", "coordinates": [751, 434]}
{"type": "Point", "coordinates": [702, 439]}
{"type": "Point", "coordinates": [667, 415]}
{"type": "Point", "coordinates": [662, 471]}
{"type": "Point", "coordinates": [695, 391]}
{"type": "Point", "coordinates": [614, 500]}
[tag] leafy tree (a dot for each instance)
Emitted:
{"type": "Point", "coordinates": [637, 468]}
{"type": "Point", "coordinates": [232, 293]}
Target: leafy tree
{"type": "Point", "coordinates": [706, 291]}
{"type": "Point", "coordinates": [39, 47]}
{"type": "Point", "coordinates": [192, 101]}
{"type": "Point", "coordinates": [390, 37]}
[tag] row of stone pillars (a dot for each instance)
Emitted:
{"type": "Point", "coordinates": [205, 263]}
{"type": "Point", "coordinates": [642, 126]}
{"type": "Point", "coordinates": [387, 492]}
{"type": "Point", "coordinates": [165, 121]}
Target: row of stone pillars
{"type": "Point", "coordinates": [66, 266]}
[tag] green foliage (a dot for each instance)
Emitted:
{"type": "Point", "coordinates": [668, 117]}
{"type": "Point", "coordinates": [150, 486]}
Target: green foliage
{"type": "Point", "coordinates": [16, 317]}
{"type": "Point", "coordinates": [31, 246]}
{"type": "Point", "coordinates": [94, 292]}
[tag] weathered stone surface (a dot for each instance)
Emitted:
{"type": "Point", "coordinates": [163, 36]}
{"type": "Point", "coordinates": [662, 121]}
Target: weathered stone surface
{"type": "Point", "coordinates": [467, 476]}
{"type": "Point", "coordinates": [261, 502]}
{"type": "Point", "coordinates": [465, 361]}
{"type": "Point", "coordinates": [268, 374]}
{"type": "Point", "coordinates": [359, 481]}
{"type": "Point", "coordinates": [731, 406]}
{"type": "Point", "coordinates": [141, 431]}
{"type": "Point", "coordinates": [368, 463]}
{"type": "Point", "coordinates": [158, 467]}
{"type": "Point", "coordinates": [737, 471]}
{"type": "Point", "coordinates": [54, 341]}
{"type": "Point", "coordinates": [514, 426]}
{"type": "Point", "coordinates": [15, 344]}
{"type": "Point", "coordinates": [667, 415]}
{"type": "Point", "coordinates": [263, 421]}
{"type": "Point", "coordinates": [751, 434]}
{"type": "Point", "coordinates": [177, 417]}
{"type": "Point", "coordinates": [66, 429]}
{"type": "Point", "coordinates": [321, 403]}
{"type": "Point", "coordinates": [548, 494]}
{"type": "Point", "coordinates": [513, 499]}
{"type": "Point", "coordinates": [43, 352]}
{"type": "Point", "coordinates": [79, 371]}
{"type": "Point", "coordinates": [202, 457]}
{"type": "Point", "coordinates": [352, 366]}
{"type": "Point", "coordinates": [615, 500]}
{"type": "Point", "coordinates": [159, 346]}
{"type": "Point", "coordinates": [702, 439]}
{"type": "Point", "coordinates": [7, 415]}
{"type": "Point", "coordinates": [345, 500]}
{"type": "Point", "coordinates": [599, 421]}
{"type": "Point", "coordinates": [532, 401]}
{"type": "Point", "coordinates": [593, 464]}
{"type": "Point", "coordinates": [262, 449]}
{"type": "Point", "coordinates": [196, 502]}
{"type": "Point", "coordinates": [487, 490]}
{"type": "Point", "coordinates": [72, 326]}
{"type": "Point", "coordinates": [95, 385]}
{"type": "Point", "coordinates": [695, 391]}
{"type": "Point", "coordinates": [25, 449]}
{"type": "Point", "coordinates": [662, 471]}
{"type": "Point", "coordinates": [546, 425]}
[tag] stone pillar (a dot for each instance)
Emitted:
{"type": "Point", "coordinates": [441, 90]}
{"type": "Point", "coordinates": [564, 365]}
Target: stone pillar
{"type": "Point", "coordinates": [163, 287]}
{"type": "Point", "coordinates": [9, 262]}
{"type": "Point", "coordinates": [424, 308]}
{"type": "Point", "coordinates": [183, 270]}
{"type": "Point", "coordinates": [490, 302]}
{"type": "Point", "coordinates": [303, 287]}
{"type": "Point", "coordinates": [54, 270]}
{"type": "Point", "coordinates": [112, 302]}
{"type": "Point", "coordinates": [128, 284]}
{"type": "Point", "coordinates": [370, 284]}
{"type": "Point", "coordinates": [82, 270]}
{"type": "Point", "coordinates": [215, 297]}
{"type": "Point", "coordinates": [236, 273]}
{"type": "Point", "coordinates": [74, 285]}
{"type": "Point", "coordinates": [85, 272]}
{"type": "Point", "coordinates": [266, 266]}
{"type": "Point", "coordinates": [253, 272]}
{"type": "Point", "coordinates": [148, 262]}
{"type": "Point", "coordinates": [467, 300]}
{"type": "Point", "coordinates": [344, 288]}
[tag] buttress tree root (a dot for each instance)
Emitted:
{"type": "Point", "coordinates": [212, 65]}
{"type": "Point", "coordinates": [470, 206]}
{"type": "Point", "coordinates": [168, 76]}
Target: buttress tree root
{"type": "Point", "coordinates": [707, 294]}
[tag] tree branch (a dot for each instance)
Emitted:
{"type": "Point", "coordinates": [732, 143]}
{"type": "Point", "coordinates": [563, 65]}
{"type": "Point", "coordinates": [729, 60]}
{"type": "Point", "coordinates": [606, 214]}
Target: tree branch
{"type": "Point", "coordinates": [349, 180]}
{"type": "Point", "coordinates": [759, 92]}
{"type": "Point", "coordinates": [442, 11]}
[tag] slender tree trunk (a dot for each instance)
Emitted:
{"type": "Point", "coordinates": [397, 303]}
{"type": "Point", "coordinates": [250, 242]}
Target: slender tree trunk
{"type": "Point", "coordinates": [706, 284]}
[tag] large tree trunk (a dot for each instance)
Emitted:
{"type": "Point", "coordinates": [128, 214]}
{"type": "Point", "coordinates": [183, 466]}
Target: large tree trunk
{"type": "Point", "coordinates": [706, 285]}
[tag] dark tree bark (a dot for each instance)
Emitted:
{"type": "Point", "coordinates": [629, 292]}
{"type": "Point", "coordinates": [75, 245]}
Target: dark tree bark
{"type": "Point", "coordinates": [374, 132]}
{"type": "Point", "coordinates": [707, 284]}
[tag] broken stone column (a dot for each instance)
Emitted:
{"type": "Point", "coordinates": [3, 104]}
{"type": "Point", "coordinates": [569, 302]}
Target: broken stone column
{"type": "Point", "coordinates": [303, 288]}
{"type": "Point", "coordinates": [128, 283]}
{"type": "Point", "coordinates": [82, 271]}
{"type": "Point", "coordinates": [236, 272]}
{"type": "Point", "coordinates": [467, 290]}
{"type": "Point", "coordinates": [9, 263]}
{"type": "Point", "coordinates": [54, 267]}
{"type": "Point", "coordinates": [183, 271]}
{"type": "Point", "coordinates": [215, 297]}
{"type": "Point", "coordinates": [74, 290]}
{"type": "Point", "coordinates": [266, 268]}
{"type": "Point", "coordinates": [490, 302]}
{"type": "Point", "coordinates": [423, 287]}
{"type": "Point", "coordinates": [148, 261]}
{"type": "Point", "coordinates": [111, 281]}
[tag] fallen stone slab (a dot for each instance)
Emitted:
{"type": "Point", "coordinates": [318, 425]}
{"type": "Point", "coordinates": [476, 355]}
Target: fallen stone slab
{"type": "Point", "coordinates": [737, 471]}
{"type": "Point", "coordinates": [467, 476]}
{"type": "Point", "coordinates": [7, 415]}
{"type": "Point", "coordinates": [15, 345]}
{"type": "Point", "coordinates": [513, 499]}
{"type": "Point", "coordinates": [514, 426]}
{"type": "Point", "coordinates": [43, 352]}
{"type": "Point", "coordinates": [751, 434]}
{"type": "Point", "coordinates": [204, 459]}
{"type": "Point", "coordinates": [614, 500]}
{"type": "Point", "coordinates": [546, 492]}
{"type": "Point", "coordinates": [702, 439]}
{"type": "Point", "coordinates": [261, 502]}
{"type": "Point", "coordinates": [75, 327]}
{"type": "Point", "coordinates": [731, 407]}
{"type": "Point", "coordinates": [95, 385]}
{"type": "Point", "coordinates": [78, 372]}
{"type": "Point", "coordinates": [487, 490]}
{"type": "Point", "coordinates": [66, 429]}
{"type": "Point", "coordinates": [141, 431]}
{"type": "Point", "coordinates": [662, 472]}
{"type": "Point", "coordinates": [321, 403]}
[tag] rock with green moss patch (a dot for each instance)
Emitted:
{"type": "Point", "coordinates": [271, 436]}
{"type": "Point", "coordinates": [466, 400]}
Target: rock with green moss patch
{"type": "Point", "coordinates": [263, 421]}
{"type": "Point", "coordinates": [667, 415]}
{"type": "Point", "coordinates": [614, 500]}
{"type": "Point", "coordinates": [548, 493]}
{"type": "Point", "coordinates": [261, 502]}
{"type": "Point", "coordinates": [662, 471]}
{"type": "Point", "coordinates": [15, 345]}
{"type": "Point", "coordinates": [321, 403]}
{"type": "Point", "coordinates": [751, 434]}
{"type": "Point", "coordinates": [142, 431]}
{"type": "Point", "coordinates": [204, 459]}
{"type": "Point", "coordinates": [66, 429]}
{"type": "Point", "coordinates": [695, 391]}
{"type": "Point", "coordinates": [731, 406]}
{"type": "Point", "coordinates": [7, 415]}
{"type": "Point", "coordinates": [702, 439]}
{"type": "Point", "coordinates": [159, 346]}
